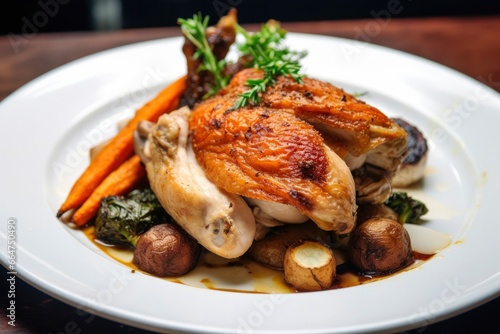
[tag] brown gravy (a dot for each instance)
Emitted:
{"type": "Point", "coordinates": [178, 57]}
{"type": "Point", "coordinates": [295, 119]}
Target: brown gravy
{"type": "Point", "coordinates": [258, 278]}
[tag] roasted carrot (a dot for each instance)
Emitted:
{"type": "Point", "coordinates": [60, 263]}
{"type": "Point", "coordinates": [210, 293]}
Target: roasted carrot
{"type": "Point", "coordinates": [119, 182]}
{"type": "Point", "coordinates": [121, 147]}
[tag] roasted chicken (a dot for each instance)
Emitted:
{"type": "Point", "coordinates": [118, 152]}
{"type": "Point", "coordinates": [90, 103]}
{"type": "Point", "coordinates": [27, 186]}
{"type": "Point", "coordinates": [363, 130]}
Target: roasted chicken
{"type": "Point", "coordinates": [289, 149]}
{"type": "Point", "coordinates": [372, 145]}
{"type": "Point", "coordinates": [271, 155]}
{"type": "Point", "coordinates": [220, 221]}
{"type": "Point", "coordinates": [307, 151]}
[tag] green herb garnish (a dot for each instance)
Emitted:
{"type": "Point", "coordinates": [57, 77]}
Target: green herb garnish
{"type": "Point", "coordinates": [360, 94]}
{"type": "Point", "coordinates": [268, 54]}
{"type": "Point", "coordinates": [195, 30]}
{"type": "Point", "coordinates": [264, 47]}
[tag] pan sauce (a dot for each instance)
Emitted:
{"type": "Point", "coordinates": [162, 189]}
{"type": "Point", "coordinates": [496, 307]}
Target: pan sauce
{"type": "Point", "coordinates": [244, 274]}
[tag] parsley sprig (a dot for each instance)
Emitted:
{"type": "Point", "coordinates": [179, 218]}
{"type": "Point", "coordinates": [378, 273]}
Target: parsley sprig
{"type": "Point", "coordinates": [264, 47]}
{"type": "Point", "coordinates": [268, 54]}
{"type": "Point", "coordinates": [195, 30]}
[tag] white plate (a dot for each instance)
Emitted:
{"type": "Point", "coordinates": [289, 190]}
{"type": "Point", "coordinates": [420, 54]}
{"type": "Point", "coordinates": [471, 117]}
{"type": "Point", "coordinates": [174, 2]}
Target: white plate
{"type": "Point", "coordinates": [49, 124]}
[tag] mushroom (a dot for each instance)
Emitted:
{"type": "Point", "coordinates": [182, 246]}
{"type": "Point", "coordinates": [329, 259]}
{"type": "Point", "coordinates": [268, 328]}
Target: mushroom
{"type": "Point", "coordinates": [165, 250]}
{"type": "Point", "coordinates": [412, 168]}
{"type": "Point", "coordinates": [368, 210]}
{"type": "Point", "coordinates": [380, 246]}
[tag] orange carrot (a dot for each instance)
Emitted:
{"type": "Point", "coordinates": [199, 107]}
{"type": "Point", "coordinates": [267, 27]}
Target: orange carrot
{"type": "Point", "coordinates": [121, 146]}
{"type": "Point", "coordinates": [119, 182]}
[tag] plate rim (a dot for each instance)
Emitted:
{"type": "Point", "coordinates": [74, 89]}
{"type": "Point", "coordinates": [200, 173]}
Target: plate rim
{"type": "Point", "coordinates": [57, 292]}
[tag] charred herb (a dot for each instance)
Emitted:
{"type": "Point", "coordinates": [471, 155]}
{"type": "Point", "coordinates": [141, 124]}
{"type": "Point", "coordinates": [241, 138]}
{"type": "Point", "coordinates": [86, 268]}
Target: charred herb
{"type": "Point", "coordinates": [264, 48]}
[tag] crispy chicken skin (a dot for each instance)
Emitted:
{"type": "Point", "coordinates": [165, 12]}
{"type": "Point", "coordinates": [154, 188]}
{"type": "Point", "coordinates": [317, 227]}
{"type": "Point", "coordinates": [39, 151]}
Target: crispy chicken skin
{"type": "Point", "coordinates": [352, 128]}
{"type": "Point", "coordinates": [371, 143]}
{"type": "Point", "coordinates": [351, 124]}
{"type": "Point", "coordinates": [270, 154]}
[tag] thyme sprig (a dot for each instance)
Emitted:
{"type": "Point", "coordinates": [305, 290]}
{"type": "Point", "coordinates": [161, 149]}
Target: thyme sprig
{"type": "Point", "coordinates": [265, 49]}
{"type": "Point", "coordinates": [195, 30]}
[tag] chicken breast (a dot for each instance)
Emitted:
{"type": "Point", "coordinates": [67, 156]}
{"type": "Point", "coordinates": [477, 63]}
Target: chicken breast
{"type": "Point", "coordinates": [270, 154]}
{"type": "Point", "coordinates": [370, 143]}
{"type": "Point", "coordinates": [220, 221]}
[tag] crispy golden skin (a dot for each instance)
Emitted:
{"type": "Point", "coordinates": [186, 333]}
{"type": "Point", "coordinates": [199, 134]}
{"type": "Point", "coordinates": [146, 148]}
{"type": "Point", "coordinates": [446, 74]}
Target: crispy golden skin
{"type": "Point", "coordinates": [270, 154]}
{"type": "Point", "coordinates": [371, 143]}
{"type": "Point", "coordinates": [289, 148]}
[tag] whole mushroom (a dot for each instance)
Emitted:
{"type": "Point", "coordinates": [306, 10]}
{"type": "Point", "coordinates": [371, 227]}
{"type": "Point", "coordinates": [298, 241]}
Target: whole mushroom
{"type": "Point", "coordinates": [380, 246]}
{"type": "Point", "coordinates": [165, 250]}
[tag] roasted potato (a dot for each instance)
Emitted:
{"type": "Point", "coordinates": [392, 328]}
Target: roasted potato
{"type": "Point", "coordinates": [380, 246]}
{"type": "Point", "coordinates": [309, 266]}
{"type": "Point", "coordinates": [165, 250]}
{"type": "Point", "coordinates": [271, 250]}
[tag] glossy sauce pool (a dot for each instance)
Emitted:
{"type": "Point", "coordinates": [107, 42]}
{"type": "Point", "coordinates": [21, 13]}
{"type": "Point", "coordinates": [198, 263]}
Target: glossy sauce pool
{"type": "Point", "coordinates": [244, 274]}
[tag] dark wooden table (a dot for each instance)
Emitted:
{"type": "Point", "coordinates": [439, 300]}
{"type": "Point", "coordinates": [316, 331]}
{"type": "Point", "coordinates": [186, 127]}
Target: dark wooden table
{"type": "Point", "coordinates": [469, 45]}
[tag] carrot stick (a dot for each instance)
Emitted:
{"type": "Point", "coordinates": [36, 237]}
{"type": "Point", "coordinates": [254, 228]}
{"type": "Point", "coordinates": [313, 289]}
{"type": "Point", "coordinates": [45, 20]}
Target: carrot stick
{"type": "Point", "coordinates": [121, 146]}
{"type": "Point", "coordinates": [119, 182]}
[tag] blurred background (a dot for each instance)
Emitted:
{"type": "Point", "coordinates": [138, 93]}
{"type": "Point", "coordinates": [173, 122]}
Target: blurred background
{"type": "Point", "coordinates": [28, 16]}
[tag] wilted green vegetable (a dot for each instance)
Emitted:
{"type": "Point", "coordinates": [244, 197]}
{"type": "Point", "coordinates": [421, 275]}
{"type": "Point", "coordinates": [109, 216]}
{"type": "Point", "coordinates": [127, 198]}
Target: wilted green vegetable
{"type": "Point", "coordinates": [409, 210]}
{"type": "Point", "coordinates": [122, 219]}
